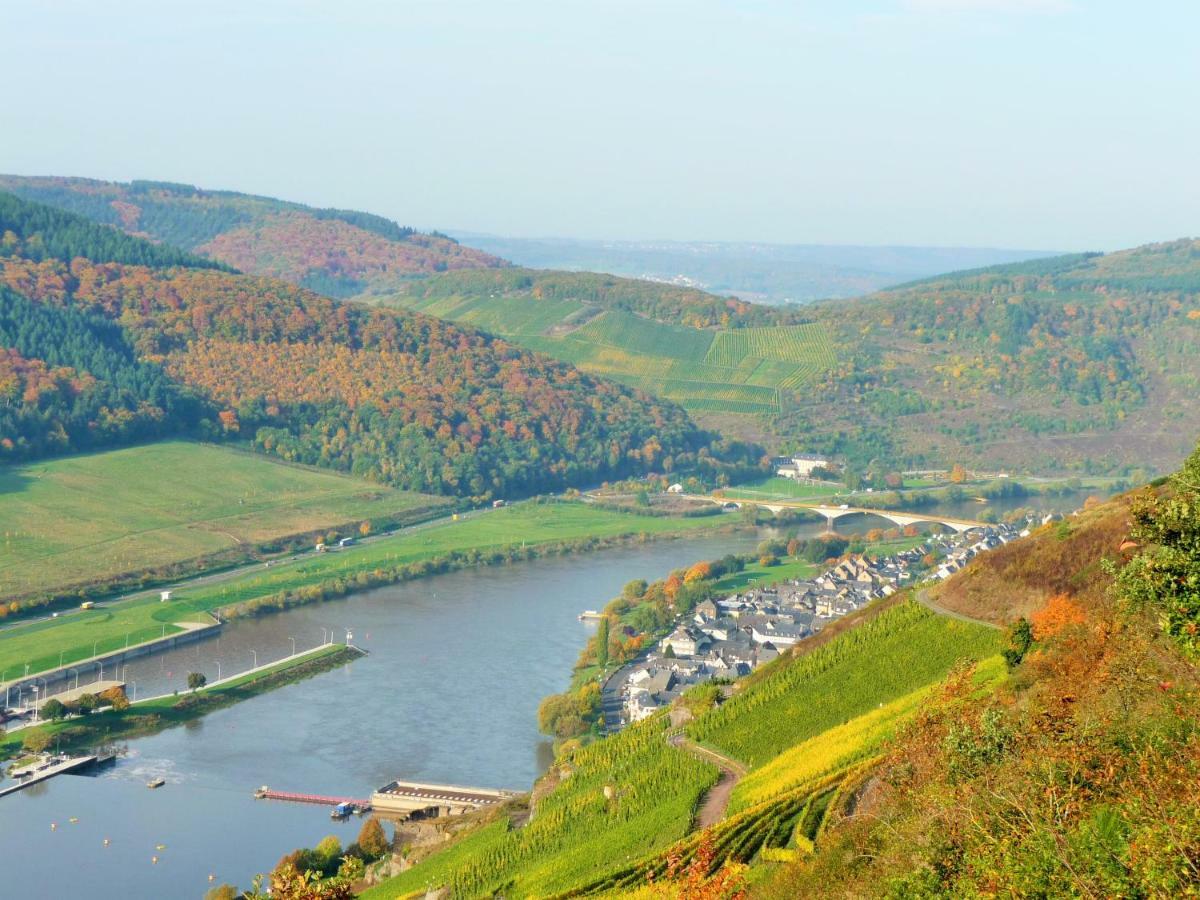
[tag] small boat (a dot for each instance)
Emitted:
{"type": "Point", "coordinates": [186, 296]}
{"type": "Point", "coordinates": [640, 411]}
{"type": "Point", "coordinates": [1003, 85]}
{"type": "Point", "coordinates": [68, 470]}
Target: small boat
{"type": "Point", "coordinates": [342, 811]}
{"type": "Point", "coordinates": [156, 782]}
{"type": "Point", "coordinates": [589, 614]}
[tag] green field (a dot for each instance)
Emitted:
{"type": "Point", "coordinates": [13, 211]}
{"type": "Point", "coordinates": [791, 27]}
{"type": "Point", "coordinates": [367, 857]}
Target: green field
{"type": "Point", "coordinates": [779, 488]}
{"type": "Point", "coordinates": [76, 635]}
{"type": "Point", "coordinates": [735, 370]}
{"type": "Point", "coordinates": [89, 519]}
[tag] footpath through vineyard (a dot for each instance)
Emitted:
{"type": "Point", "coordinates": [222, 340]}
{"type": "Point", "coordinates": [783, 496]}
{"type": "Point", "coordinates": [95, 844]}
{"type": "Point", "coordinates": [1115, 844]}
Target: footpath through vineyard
{"type": "Point", "coordinates": [712, 808]}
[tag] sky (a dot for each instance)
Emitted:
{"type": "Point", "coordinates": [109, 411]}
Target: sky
{"type": "Point", "coordinates": [1038, 124]}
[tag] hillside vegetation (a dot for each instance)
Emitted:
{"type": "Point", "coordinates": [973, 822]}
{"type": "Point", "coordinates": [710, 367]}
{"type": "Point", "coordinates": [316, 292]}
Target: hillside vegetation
{"type": "Point", "coordinates": [608, 813]}
{"type": "Point", "coordinates": [75, 520]}
{"type": "Point", "coordinates": [101, 353]}
{"type": "Point", "coordinates": [1074, 363]}
{"type": "Point", "coordinates": [339, 252]}
{"type": "Point", "coordinates": [898, 756]}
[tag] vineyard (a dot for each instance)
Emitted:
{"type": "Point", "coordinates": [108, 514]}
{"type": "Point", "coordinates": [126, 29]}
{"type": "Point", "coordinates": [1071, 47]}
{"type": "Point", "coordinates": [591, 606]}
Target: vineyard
{"type": "Point", "coordinates": [740, 370]}
{"type": "Point", "coordinates": [775, 830]}
{"type": "Point", "coordinates": [892, 654]}
{"type": "Point", "coordinates": [834, 749]}
{"type": "Point", "coordinates": [627, 796]}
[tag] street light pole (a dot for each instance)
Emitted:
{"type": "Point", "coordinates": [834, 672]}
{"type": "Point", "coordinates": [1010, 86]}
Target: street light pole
{"type": "Point", "coordinates": [293, 640]}
{"type": "Point", "coordinates": [218, 670]}
{"type": "Point", "coordinates": [255, 652]}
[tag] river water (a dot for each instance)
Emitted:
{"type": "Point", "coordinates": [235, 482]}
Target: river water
{"type": "Point", "coordinates": [449, 692]}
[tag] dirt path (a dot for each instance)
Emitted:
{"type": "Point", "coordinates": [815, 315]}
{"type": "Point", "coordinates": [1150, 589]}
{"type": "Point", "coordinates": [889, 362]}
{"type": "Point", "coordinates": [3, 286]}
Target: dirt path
{"type": "Point", "coordinates": [712, 809]}
{"type": "Point", "coordinates": [922, 596]}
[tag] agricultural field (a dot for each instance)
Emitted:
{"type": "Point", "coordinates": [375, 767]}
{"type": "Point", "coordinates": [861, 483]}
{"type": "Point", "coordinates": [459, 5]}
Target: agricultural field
{"type": "Point", "coordinates": [577, 829]}
{"type": "Point", "coordinates": [75, 636]}
{"type": "Point", "coordinates": [900, 650]}
{"type": "Point", "coordinates": [842, 745]}
{"type": "Point", "coordinates": [738, 370]}
{"type": "Point", "coordinates": [94, 518]}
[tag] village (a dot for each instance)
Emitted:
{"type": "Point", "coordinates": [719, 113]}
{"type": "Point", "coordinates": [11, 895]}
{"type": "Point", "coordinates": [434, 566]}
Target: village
{"type": "Point", "coordinates": [731, 636]}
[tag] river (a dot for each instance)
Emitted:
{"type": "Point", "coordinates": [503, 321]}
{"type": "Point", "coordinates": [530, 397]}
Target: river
{"type": "Point", "coordinates": [449, 692]}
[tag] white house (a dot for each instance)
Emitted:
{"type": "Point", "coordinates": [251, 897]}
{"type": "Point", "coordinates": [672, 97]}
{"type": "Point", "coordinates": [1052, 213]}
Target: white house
{"type": "Point", "coordinates": [800, 466]}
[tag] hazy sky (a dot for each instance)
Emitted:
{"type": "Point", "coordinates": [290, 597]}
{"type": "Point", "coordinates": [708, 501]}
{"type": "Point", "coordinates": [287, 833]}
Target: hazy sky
{"type": "Point", "coordinates": [1058, 124]}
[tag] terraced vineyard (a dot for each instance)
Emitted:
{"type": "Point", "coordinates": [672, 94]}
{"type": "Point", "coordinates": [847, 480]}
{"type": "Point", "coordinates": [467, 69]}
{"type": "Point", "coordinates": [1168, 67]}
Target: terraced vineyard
{"type": "Point", "coordinates": [812, 726]}
{"type": "Point", "coordinates": [739, 370]}
{"type": "Point", "coordinates": [898, 651]}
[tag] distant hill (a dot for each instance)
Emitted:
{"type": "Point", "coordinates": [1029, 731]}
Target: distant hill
{"type": "Point", "coordinates": [768, 273]}
{"type": "Point", "coordinates": [107, 340]}
{"type": "Point", "coordinates": [337, 252]}
{"type": "Point", "coordinates": [1083, 362]}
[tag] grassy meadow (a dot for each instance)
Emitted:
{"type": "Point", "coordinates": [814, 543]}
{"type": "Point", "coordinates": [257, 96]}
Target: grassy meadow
{"type": "Point", "coordinates": [738, 370]}
{"type": "Point", "coordinates": [96, 517]}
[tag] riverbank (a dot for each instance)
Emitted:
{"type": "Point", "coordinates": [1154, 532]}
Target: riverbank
{"type": "Point", "coordinates": [488, 537]}
{"type": "Point", "coordinates": [156, 714]}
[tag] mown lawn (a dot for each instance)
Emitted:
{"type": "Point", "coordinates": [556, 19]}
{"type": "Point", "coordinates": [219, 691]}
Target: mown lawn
{"type": "Point", "coordinates": [94, 517]}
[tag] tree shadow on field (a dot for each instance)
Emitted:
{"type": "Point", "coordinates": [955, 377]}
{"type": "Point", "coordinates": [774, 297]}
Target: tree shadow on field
{"type": "Point", "coordinates": [13, 481]}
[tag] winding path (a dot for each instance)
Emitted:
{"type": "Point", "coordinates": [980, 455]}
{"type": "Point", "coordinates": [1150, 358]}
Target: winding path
{"type": "Point", "coordinates": [921, 595]}
{"type": "Point", "coordinates": [716, 801]}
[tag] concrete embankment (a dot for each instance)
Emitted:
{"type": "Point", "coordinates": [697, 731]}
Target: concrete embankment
{"type": "Point", "coordinates": [55, 681]}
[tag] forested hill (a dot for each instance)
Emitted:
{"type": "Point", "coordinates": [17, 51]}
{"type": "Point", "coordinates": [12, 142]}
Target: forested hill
{"type": "Point", "coordinates": [337, 252]}
{"type": "Point", "coordinates": [101, 353]}
{"type": "Point", "coordinates": [1086, 361]}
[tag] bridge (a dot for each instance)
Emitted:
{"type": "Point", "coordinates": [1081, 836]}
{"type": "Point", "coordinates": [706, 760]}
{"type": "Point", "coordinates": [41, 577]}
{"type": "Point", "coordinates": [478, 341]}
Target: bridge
{"type": "Point", "coordinates": [833, 513]}
{"type": "Point", "coordinates": [406, 797]}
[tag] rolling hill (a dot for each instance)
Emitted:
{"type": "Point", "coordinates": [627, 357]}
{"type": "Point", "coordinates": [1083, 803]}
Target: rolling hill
{"type": "Point", "coordinates": [1081, 363]}
{"type": "Point", "coordinates": [338, 252]}
{"type": "Point", "coordinates": [105, 344]}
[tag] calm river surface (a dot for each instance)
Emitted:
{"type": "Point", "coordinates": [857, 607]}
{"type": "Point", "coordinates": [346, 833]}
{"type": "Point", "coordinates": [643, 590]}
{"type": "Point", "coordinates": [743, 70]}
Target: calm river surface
{"type": "Point", "coordinates": [458, 664]}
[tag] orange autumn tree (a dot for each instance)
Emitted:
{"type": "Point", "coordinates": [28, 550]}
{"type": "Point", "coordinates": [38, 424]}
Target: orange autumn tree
{"type": "Point", "coordinates": [1058, 613]}
{"type": "Point", "coordinates": [699, 572]}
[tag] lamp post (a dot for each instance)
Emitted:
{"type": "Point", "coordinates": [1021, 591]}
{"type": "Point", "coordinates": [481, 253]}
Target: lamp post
{"type": "Point", "coordinates": [293, 640]}
{"type": "Point", "coordinates": [133, 684]}
{"type": "Point", "coordinates": [324, 636]}
{"type": "Point", "coordinates": [218, 670]}
{"type": "Point", "coordinates": [255, 652]}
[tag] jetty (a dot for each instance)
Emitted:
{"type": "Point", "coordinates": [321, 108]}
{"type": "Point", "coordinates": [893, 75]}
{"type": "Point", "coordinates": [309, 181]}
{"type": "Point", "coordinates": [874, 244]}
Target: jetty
{"type": "Point", "coordinates": [47, 768]}
{"type": "Point", "coordinates": [265, 793]}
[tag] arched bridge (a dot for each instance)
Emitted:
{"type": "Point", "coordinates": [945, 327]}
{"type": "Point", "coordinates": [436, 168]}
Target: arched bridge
{"type": "Point", "coordinates": [833, 513]}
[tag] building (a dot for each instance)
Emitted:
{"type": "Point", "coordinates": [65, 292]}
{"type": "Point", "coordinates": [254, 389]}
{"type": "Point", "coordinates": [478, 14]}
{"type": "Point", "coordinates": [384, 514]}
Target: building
{"type": "Point", "coordinates": [800, 466]}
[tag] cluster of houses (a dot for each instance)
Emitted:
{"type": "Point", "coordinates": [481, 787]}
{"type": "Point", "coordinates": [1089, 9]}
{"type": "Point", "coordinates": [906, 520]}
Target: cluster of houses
{"type": "Point", "coordinates": [729, 637]}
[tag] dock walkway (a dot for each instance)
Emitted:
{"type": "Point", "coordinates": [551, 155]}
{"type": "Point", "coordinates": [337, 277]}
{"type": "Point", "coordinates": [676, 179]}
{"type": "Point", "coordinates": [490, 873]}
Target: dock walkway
{"type": "Point", "coordinates": [59, 768]}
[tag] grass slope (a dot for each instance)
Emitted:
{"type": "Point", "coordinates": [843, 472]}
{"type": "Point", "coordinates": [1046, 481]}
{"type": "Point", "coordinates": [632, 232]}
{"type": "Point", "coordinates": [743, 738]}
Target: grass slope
{"type": "Point", "coordinates": [732, 370]}
{"type": "Point", "coordinates": [95, 517]}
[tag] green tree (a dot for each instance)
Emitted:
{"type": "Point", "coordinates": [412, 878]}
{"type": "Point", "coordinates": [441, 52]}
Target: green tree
{"type": "Point", "coordinates": [87, 703]}
{"type": "Point", "coordinates": [222, 892]}
{"type": "Point", "coordinates": [196, 680]}
{"type": "Point", "coordinates": [602, 643]}
{"type": "Point", "coordinates": [1165, 576]}
{"type": "Point", "coordinates": [36, 741]}
{"type": "Point", "coordinates": [53, 710]}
